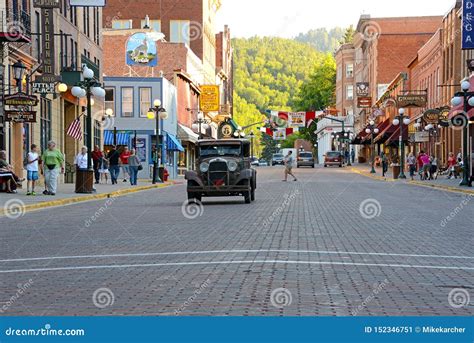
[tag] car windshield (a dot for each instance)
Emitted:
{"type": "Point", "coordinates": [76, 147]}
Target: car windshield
{"type": "Point", "coordinates": [306, 154]}
{"type": "Point", "coordinates": [278, 156]}
{"type": "Point", "coordinates": [220, 150]}
{"type": "Point", "coordinates": [333, 154]}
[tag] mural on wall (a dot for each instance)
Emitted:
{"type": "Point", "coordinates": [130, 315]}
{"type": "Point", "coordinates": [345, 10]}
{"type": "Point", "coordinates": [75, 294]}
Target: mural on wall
{"type": "Point", "coordinates": [141, 50]}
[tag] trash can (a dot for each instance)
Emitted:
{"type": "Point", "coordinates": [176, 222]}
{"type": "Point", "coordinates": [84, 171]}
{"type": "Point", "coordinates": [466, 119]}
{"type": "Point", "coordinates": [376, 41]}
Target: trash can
{"type": "Point", "coordinates": [395, 171]}
{"type": "Point", "coordinates": [84, 181]}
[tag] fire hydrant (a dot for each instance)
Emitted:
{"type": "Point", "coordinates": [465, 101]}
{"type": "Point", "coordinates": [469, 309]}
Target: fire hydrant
{"type": "Point", "coordinates": [165, 175]}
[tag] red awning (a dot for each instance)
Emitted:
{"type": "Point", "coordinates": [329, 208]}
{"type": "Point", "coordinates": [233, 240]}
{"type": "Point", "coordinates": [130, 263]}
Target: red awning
{"type": "Point", "coordinates": [360, 136]}
{"type": "Point", "coordinates": [381, 126]}
{"type": "Point", "coordinates": [386, 133]}
{"type": "Point", "coordinates": [395, 137]}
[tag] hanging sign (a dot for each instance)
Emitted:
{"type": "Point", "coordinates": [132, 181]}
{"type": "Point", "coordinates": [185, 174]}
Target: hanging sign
{"type": "Point", "coordinates": [209, 99]}
{"type": "Point", "coordinates": [20, 99]}
{"type": "Point", "coordinates": [362, 89]}
{"type": "Point", "coordinates": [467, 24]}
{"type": "Point", "coordinates": [21, 116]}
{"type": "Point", "coordinates": [47, 3]}
{"type": "Point", "coordinates": [279, 134]}
{"type": "Point", "coordinates": [225, 130]}
{"type": "Point", "coordinates": [364, 102]}
{"type": "Point", "coordinates": [412, 100]}
{"type": "Point", "coordinates": [431, 116]}
{"type": "Point", "coordinates": [141, 51]}
{"type": "Point", "coordinates": [297, 119]}
{"type": "Point", "coordinates": [44, 87]}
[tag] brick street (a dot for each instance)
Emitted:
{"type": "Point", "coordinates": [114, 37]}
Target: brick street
{"type": "Point", "coordinates": [332, 243]}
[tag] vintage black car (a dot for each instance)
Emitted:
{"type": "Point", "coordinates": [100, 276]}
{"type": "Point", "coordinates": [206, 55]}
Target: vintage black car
{"type": "Point", "coordinates": [222, 169]}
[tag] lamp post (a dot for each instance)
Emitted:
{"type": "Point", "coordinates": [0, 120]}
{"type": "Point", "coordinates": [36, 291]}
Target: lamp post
{"type": "Point", "coordinates": [467, 99]}
{"type": "Point", "coordinates": [87, 88]}
{"type": "Point", "coordinates": [239, 133]}
{"type": "Point", "coordinates": [252, 136]}
{"type": "Point", "coordinates": [200, 124]}
{"type": "Point", "coordinates": [157, 112]}
{"type": "Point", "coordinates": [372, 130]}
{"type": "Point", "coordinates": [403, 121]}
{"type": "Point", "coordinates": [18, 72]}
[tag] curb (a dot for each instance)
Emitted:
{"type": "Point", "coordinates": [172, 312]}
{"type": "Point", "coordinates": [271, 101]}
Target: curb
{"type": "Point", "coordinates": [441, 187]}
{"type": "Point", "coordinates": [416, 183]}
{"type": "Point", "coordinates": [374, 177]}
{"type": "Point", "coordinates": [68, 201]}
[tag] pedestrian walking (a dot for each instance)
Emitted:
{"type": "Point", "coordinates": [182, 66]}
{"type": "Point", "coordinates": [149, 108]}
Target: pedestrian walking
{"type": "Point", "coordinates": [114, 157]}
{"type": "Point", "coordinates": [134, 165]}
{"type": "Point", "coordinates": [81, 160]}
{"type": "Point", "coordinates": [426, 166]}
{"type": "Point", "coordinates": [53, 165]}
{"type": "Point", "coordinates": [384, 159]}
{"type": "Point", "coordinates": [104, 168]}
{"type": "Point", "coordinates": [124, 156]}
{"type": "Point", "coordinates": [289, 160]}
{"type": "Point", "coordinates": [346, 156]}
{"type": "Point", "coordinates": [353, 155]}
{"type": "Point", "coordinates": [97, 156]}
{"type": "Point", "coordinates": [411, 162]}
{"type": "Point", "coordinates": [32, 169]}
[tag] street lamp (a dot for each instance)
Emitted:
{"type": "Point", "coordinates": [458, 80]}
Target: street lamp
{"type": "Point", "coordinates": [87, 88]}
{"type": "Point", "coordinates": [252, 136]}
{"type": "Point", "coordinates": [199, 124]}
{"type": "Point", "coordinates": [157, 112]}
{"type": "Point", "coordinates": [403, 121]}
{"type": "Point", "coordinates": [372, 130]}
{"type": "Point", "coordinates": [467, 99]}
{"type": "Point", "coordinates": [239, 133]}
{"type": "Point", "coordinates": [18, 72]}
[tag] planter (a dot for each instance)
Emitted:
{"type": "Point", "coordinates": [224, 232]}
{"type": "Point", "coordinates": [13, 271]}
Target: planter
{"type": "Point", "coordinates": [395, 171]}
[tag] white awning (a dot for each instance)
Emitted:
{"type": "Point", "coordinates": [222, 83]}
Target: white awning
{"type": "Point", "coordinates": [186, 134]}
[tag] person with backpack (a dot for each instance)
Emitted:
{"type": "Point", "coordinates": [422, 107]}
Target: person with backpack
{"type": "Point", "coordinates": [32, 169]}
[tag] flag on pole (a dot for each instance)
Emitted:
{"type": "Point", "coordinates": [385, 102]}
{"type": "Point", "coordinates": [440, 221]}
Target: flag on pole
{"type": "Point", "coordinates": [74, 129]}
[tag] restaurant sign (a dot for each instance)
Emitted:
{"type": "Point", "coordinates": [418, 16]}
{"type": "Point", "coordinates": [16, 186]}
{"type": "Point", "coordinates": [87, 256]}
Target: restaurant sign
{"type": "Point", "coordinates": [21, 116]}
{"type": "Point", "coordinates": [412, 100]}
{"type": "Point", "coordinates": [431, 116]}
{"type": "Point", "coordinates": [20, 99]}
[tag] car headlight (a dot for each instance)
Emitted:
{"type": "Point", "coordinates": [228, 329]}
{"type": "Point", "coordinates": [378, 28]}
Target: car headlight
{"type": "Point", "coordinates": [232, 165]}
{"type": "Point", "coordinates": [204, 167]}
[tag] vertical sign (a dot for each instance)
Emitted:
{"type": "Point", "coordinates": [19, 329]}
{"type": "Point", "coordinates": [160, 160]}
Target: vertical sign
{"type": "Point", "coordinates": [467, 24]}
{"type": "Point", "coordinates": [2, 108]}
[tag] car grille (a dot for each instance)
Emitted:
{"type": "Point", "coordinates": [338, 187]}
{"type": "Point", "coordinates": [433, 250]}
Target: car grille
{"type": "Point", "coordinates": [218, 173]}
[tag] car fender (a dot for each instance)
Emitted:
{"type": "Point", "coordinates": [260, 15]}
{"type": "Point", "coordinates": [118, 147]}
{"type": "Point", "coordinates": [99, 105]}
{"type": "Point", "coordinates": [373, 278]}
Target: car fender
{"type": "Point", "coordinates": [246, 174]}
{"type": "Point", "coordinates": [193, 176]}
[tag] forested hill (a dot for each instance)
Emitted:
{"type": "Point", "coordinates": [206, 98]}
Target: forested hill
{"type": "Point", "coordinates": [321, 39]}
{"type": "Point", "coordinates": [269, 73]}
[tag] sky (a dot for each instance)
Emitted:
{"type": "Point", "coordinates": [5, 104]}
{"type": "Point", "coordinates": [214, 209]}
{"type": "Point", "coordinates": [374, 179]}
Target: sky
{"type": "Point", "coordinates": [285, 18]}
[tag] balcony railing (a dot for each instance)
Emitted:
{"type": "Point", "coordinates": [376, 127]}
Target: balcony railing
{"type": "Point", "coordinates": [15, 26]}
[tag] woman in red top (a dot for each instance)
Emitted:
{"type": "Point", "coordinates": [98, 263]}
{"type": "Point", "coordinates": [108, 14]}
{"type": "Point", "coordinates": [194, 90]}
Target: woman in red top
{"type": "Point", "coordinates": [124, 161]}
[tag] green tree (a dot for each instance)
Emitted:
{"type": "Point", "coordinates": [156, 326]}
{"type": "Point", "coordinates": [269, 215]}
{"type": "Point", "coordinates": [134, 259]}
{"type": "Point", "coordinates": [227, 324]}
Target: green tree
{"type": "Point", "coordinates": [348, 35]}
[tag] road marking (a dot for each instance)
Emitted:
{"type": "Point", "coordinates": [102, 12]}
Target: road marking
{"type": "Point", "coordinates": [233, 251]}
{"type": "Point", "coordinates": [121, 266]}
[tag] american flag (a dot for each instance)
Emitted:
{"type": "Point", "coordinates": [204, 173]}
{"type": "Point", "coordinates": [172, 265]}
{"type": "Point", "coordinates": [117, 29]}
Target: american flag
{"type": "Point", "coordinates": [74, 130]}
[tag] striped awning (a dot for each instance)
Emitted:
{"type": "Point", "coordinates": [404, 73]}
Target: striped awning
{"type": "Point", "coordinates": [172, 143]}
{"type": "Point", "coordinates": [123, 138]}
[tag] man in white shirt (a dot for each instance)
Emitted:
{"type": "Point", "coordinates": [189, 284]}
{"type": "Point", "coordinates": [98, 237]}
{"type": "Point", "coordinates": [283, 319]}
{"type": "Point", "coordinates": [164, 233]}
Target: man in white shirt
{"type": "Point", "coordinates": [32, 168]}
{"type": "Point", "coordinates": [81, 159]}
{"type": "Point", "coordinates": [289, 166]}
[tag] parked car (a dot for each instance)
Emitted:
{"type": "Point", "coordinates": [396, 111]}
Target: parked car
{"type": "Point", "coordinates": [222, 169]}
{"type": "Point", "coordinates": [305, 159]}
{"type": "Point", "coordinates": [262, 162]}
{"type": "Point", "coordinates": [254, 161]}
{"type": "Point", "coordinates": [278, 159]}
{"type": "Point", "coordinates": [333, 158]}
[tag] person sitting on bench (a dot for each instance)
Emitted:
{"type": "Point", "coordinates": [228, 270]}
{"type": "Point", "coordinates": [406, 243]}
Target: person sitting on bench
{"type": "Point", "coordinates": [7, 174]}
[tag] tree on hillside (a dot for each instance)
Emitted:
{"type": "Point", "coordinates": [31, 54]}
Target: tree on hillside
{"type": "Point", "coordinates": [321, 39]}
{"type": "Point", "coordinates": [348, 35]}
{"type": "Point", "coordinates": [319, 92]}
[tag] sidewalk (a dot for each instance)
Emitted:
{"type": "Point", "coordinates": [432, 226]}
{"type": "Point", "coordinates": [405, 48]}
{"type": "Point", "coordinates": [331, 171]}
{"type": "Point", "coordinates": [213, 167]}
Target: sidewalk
{"type": "Point", "coordinates": [442, 183]}
{"type": "Point", "coordinates": [66, 195]}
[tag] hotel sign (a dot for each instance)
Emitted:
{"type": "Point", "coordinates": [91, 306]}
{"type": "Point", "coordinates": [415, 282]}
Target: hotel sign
{"type": "Point", "coordinates": [209, 99]}
{"type": "Point", "coordinates": [412, 100]}
{"type": "Point", "coordinates": [467, 24]}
